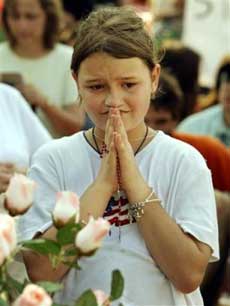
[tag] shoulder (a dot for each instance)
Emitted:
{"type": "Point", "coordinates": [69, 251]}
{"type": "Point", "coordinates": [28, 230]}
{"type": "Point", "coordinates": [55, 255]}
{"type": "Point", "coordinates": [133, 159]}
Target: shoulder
{"type": "Point", "coordinates": [61, 49]}
{"type": "Point", "coordinates": [9, 95]}
{"type": "Point", "coordinates": [61, 55]}
{"type": "Point", "coordinates": [203, 116]}
{"type": "Point", "coordinates": [174, 151]}
{"type": "Point", "coordinates": [60, 148]}
{"type": "Point", "coordinates": [4, 46]}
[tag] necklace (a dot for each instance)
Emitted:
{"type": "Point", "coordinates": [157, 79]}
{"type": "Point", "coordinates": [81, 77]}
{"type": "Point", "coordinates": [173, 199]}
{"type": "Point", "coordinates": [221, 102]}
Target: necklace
{"type": "Point", "coordinates": [104, 148]}
{"type": "Point", "coordinates": [143, 141]}
{"type": "Point", "coordinates": [133, 140]}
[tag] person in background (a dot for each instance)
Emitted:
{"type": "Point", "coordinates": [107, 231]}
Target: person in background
{"type": "Point", "coordinates": [144, 9]}
{"type": "Point", "coordinates": [33, 52]}
{"type": "Point", "coordinates": [211, 98]}
{"type": "Point", "coordinates": [168, 19]}
{"type": "Point", "coordinates": [78, 9]}
{"type": "Point", "coordinates": [215, 120]}
{"type": "Point", "coordinates": [21, 134]}
{"type": "Point", "coordinates": [183, 62]}
{"type": "Point", "coordinates": [148, 185]}
{"type": "Point", "coordinates": [73, 12]}
{"type": "Point", "coordinates": [164, 114]}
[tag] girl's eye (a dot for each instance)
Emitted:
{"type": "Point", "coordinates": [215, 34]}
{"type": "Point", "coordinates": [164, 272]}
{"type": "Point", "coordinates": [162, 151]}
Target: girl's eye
{"type": "Point", "coordinates": [31, 16]}
{"type": "Point", "coordinates": [129, 85]}
{"type": "Point", "coordinates": [96, 87]}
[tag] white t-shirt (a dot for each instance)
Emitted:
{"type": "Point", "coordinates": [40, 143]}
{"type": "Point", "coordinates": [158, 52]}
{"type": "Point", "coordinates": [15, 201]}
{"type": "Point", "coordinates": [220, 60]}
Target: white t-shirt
{"type": "Point", "coordinates": [21, 132]}
{"type": "Point", "coordinates": [50, 74]}
{"type": "Point", "coordinates": [180, 178]}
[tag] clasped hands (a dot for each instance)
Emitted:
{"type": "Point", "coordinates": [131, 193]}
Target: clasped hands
{"type": "Point", "coordinates": [118, 167]}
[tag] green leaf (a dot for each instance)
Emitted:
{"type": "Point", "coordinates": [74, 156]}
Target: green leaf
{"type": "Point", "coordinates": [66, 235]}
{"type": "Point", "coordinates": [86, 299]}
{"type": "Point", "coordinates": [72, 264]}
{"type": "Point", "coordinates": [71, 252]}
{"type": "Point", "coordinates": [120, 304]}
{"type": "Point", "coordinates": [50, 287]}
{"type": "Point", "coordinates": [117, 285]}
{"type": "Point", "coordinates": [3, 302]}
{"type": "Point", "coordinates": [43, 246]}
{"type": "Point", "coordinates": [14, 286]}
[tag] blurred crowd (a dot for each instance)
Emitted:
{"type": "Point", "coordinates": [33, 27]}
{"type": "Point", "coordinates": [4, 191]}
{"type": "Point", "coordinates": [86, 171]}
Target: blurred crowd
{"type": "Point", "coordinates": [39, 99]}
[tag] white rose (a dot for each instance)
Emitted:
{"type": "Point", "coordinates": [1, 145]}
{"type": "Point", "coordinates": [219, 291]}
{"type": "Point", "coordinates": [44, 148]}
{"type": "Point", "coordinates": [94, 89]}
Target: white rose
{"type": "Point", "coordinates": [19, 194]}
{"type": "Point", "coordinates": [8, 237]}
{"type": "Point", "coordinates": [102, 298]}
{"type": "Point", "coordinates": [33, 295]}
{"type": "Point", "coordinates": [90, 237]}
{"type": "Point", "coordinates": [67, 207]}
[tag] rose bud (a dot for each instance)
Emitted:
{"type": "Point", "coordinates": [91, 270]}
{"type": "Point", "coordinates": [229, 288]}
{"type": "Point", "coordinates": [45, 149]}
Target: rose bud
{"type": "Point", "coordinates": [67, 207]}
{"type": "Point", "coordinates": [102, 298]}
{"type": "Point", "coordinates": [90, 238]}
{"type": "Point", "coordinates": [33, 295]}
{"type": "Point", "coordinates": [19, 194]}
{"type": "Point", "coordinates": [8, 237]}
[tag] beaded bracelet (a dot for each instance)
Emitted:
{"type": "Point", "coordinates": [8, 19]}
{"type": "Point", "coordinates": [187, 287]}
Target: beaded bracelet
{"type": "Point", "coordinates": [136, 210]}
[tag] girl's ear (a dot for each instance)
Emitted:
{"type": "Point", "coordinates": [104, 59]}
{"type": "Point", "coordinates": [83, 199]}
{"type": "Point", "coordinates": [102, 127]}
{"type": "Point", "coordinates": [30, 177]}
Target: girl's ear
{"type": "Point", "coordinates": [155, 77]}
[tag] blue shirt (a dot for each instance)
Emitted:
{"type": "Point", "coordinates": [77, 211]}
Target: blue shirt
{"type": "Point", "coordinates": [207, 122]}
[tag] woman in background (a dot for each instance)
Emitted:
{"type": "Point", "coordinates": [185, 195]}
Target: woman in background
{"type": "Point", "coordinates": [33, 51]}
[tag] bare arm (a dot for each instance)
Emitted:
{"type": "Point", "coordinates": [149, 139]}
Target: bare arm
{"type": "Point", "coordinates": [66, 121]}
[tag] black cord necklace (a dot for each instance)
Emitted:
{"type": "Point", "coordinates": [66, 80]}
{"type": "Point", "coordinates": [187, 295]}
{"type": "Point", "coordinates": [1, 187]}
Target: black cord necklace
{"type": "Point", "coordinates": [95, 140]}
{"type": "Point", "coordinates": [143, 140]}
{"type": "Point", "coordinates": [100, 151]}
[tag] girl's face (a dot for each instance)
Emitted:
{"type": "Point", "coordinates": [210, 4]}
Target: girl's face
{"type": "Point", "coordinates": [27, 22]}
{"type": "Point", "coordinates": [106, 82]}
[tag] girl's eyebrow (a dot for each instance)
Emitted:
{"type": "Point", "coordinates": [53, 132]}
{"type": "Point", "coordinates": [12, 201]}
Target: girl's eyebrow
{"type": "Point", "coordinates": [93, 81]}
{"type": "Point", "coordinates": [126, 78]}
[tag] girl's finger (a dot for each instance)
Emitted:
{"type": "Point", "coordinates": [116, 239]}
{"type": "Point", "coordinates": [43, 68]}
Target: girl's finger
{"type": "Point", "coordinates": [107, 131]}
{"type": "Point", "coordinates": [119, 126]}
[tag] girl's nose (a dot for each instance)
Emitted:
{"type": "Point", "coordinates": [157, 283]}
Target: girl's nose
{"type": "Point", "coordinates": [113, 100]}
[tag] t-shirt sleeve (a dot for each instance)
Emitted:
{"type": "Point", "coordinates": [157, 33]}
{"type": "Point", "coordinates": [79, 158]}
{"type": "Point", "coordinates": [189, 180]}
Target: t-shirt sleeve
{"type": "Point", "coordinates": [45, 173]}
{"type": "Point", "coordinates": [194, 208]}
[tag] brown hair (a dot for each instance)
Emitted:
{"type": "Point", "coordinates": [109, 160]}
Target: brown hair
{"type": "Point", "coordinates": [52, 9]}
{"type": "Point", "coordinates": [223, 72]}
{"type": "Point", "coordinates": [118, 32]}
